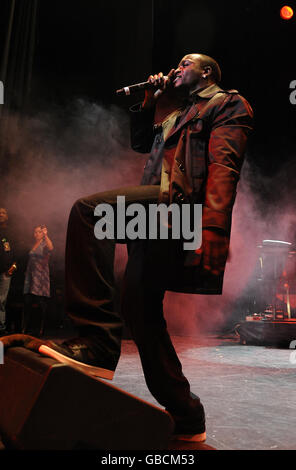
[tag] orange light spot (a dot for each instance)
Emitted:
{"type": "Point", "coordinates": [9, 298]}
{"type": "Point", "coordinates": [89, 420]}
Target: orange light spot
{"type": "Point", "coordinates": [286, 12]}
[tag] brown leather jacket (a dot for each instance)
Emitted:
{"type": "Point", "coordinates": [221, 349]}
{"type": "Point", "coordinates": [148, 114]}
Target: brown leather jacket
{"type": "Point", "coordinates": [205, 150]}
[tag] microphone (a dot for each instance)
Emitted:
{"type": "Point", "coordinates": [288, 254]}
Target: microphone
{"type": "Point", "coordinates": [128, 90]}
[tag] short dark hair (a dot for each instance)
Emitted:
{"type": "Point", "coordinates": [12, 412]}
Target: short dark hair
{"type": "Point", "coordinates": [216, 71]}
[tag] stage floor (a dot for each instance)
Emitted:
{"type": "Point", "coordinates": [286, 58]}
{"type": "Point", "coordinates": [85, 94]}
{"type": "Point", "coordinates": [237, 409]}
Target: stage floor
{"type": "Point", "coordinates": [248, 391]}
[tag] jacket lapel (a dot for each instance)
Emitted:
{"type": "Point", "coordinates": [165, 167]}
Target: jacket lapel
{"type": "Point", "coordinates": [194, 110]}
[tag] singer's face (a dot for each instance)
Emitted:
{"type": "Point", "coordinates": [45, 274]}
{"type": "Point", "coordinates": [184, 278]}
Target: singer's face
{"type": "Point", "coordinates": [189, 72]}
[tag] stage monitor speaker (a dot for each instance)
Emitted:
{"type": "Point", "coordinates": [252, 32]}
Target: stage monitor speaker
{"type": "Point", "coordinates": [46, 405]}
{"type": "Point", "coordinates": [267, 333]}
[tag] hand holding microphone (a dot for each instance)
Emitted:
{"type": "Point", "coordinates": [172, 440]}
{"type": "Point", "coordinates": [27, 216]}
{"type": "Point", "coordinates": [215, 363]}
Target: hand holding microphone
{"type": "Point", "coordinates": [159, 83]}
{"type": "Point", "coordinates": [154, 87]}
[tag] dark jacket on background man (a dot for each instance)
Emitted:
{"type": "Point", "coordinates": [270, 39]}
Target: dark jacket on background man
{"type": "Point", "coordinates": [6, 249]}
{"type": "Point", "coordinates": [196, 156]}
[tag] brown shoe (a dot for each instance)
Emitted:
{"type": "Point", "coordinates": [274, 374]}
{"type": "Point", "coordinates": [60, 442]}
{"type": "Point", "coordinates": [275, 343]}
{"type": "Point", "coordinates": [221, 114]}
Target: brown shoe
{"type": "Point", "coordinates": [78, 354]}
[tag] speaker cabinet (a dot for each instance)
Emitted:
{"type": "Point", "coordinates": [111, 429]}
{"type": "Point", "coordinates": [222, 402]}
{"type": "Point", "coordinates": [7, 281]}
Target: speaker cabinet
{"type": "Point", "coordinates": [51, 406]}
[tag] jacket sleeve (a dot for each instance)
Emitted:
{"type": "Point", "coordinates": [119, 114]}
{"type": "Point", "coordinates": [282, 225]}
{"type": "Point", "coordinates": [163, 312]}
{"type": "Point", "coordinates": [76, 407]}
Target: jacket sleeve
{"type": "Point", "coordinates": [142, 128]}
{"type": "Point", "coordinates": [231, 126]}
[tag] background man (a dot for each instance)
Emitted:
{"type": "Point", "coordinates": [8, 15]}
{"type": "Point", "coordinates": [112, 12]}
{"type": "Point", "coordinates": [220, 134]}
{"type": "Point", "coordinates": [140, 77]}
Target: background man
{"type": "Point", "coordinates": [7, 265]}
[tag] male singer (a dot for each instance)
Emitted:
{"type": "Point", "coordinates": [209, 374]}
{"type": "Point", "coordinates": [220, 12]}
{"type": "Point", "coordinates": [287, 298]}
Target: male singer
{"type": "Point", "coordinates": [196, 158]}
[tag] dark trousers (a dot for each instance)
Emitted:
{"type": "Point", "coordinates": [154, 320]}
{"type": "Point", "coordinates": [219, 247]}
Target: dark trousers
{"type": "Point", "coordinates": [91, 301]}
{"type": "Point", "coordinates": [30, 300]}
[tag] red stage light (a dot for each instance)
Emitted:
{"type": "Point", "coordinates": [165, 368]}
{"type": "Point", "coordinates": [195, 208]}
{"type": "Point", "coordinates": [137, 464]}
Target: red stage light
{"type": "Point", "coordinates": [286, 12]}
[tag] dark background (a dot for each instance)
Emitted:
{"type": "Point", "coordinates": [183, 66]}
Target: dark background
{"type": "Point", "coordinates": [90, 48]}
{"type": "Point", "coordinates": [63, 50]}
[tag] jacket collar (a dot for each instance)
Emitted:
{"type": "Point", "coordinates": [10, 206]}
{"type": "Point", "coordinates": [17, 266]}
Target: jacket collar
{"type": "Point", "coordinates": [207, 93]}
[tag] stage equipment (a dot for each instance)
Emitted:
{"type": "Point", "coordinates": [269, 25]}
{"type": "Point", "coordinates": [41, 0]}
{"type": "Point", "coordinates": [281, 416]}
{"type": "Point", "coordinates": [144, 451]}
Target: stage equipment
{"type": "Point", "coordinates": [274, 276]}
{"type": "Point", "coordinates": [272, 322]}
{"type": "Point", "coordinates": [46, 405]}
{"type": "Point", "coordinates": [267, 332]}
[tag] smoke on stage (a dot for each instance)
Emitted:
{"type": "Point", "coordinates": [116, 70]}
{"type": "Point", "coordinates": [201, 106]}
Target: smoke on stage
{"type": "Point", "coordinates": [55, 157]}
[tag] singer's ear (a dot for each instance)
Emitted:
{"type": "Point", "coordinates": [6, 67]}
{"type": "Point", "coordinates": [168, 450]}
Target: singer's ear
{"type": "Point", "coordinates": [207, 71]}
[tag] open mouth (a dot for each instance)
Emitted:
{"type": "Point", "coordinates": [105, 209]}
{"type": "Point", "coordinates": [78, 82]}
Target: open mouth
{"type": "Point", "coordinates": [178, 77]}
